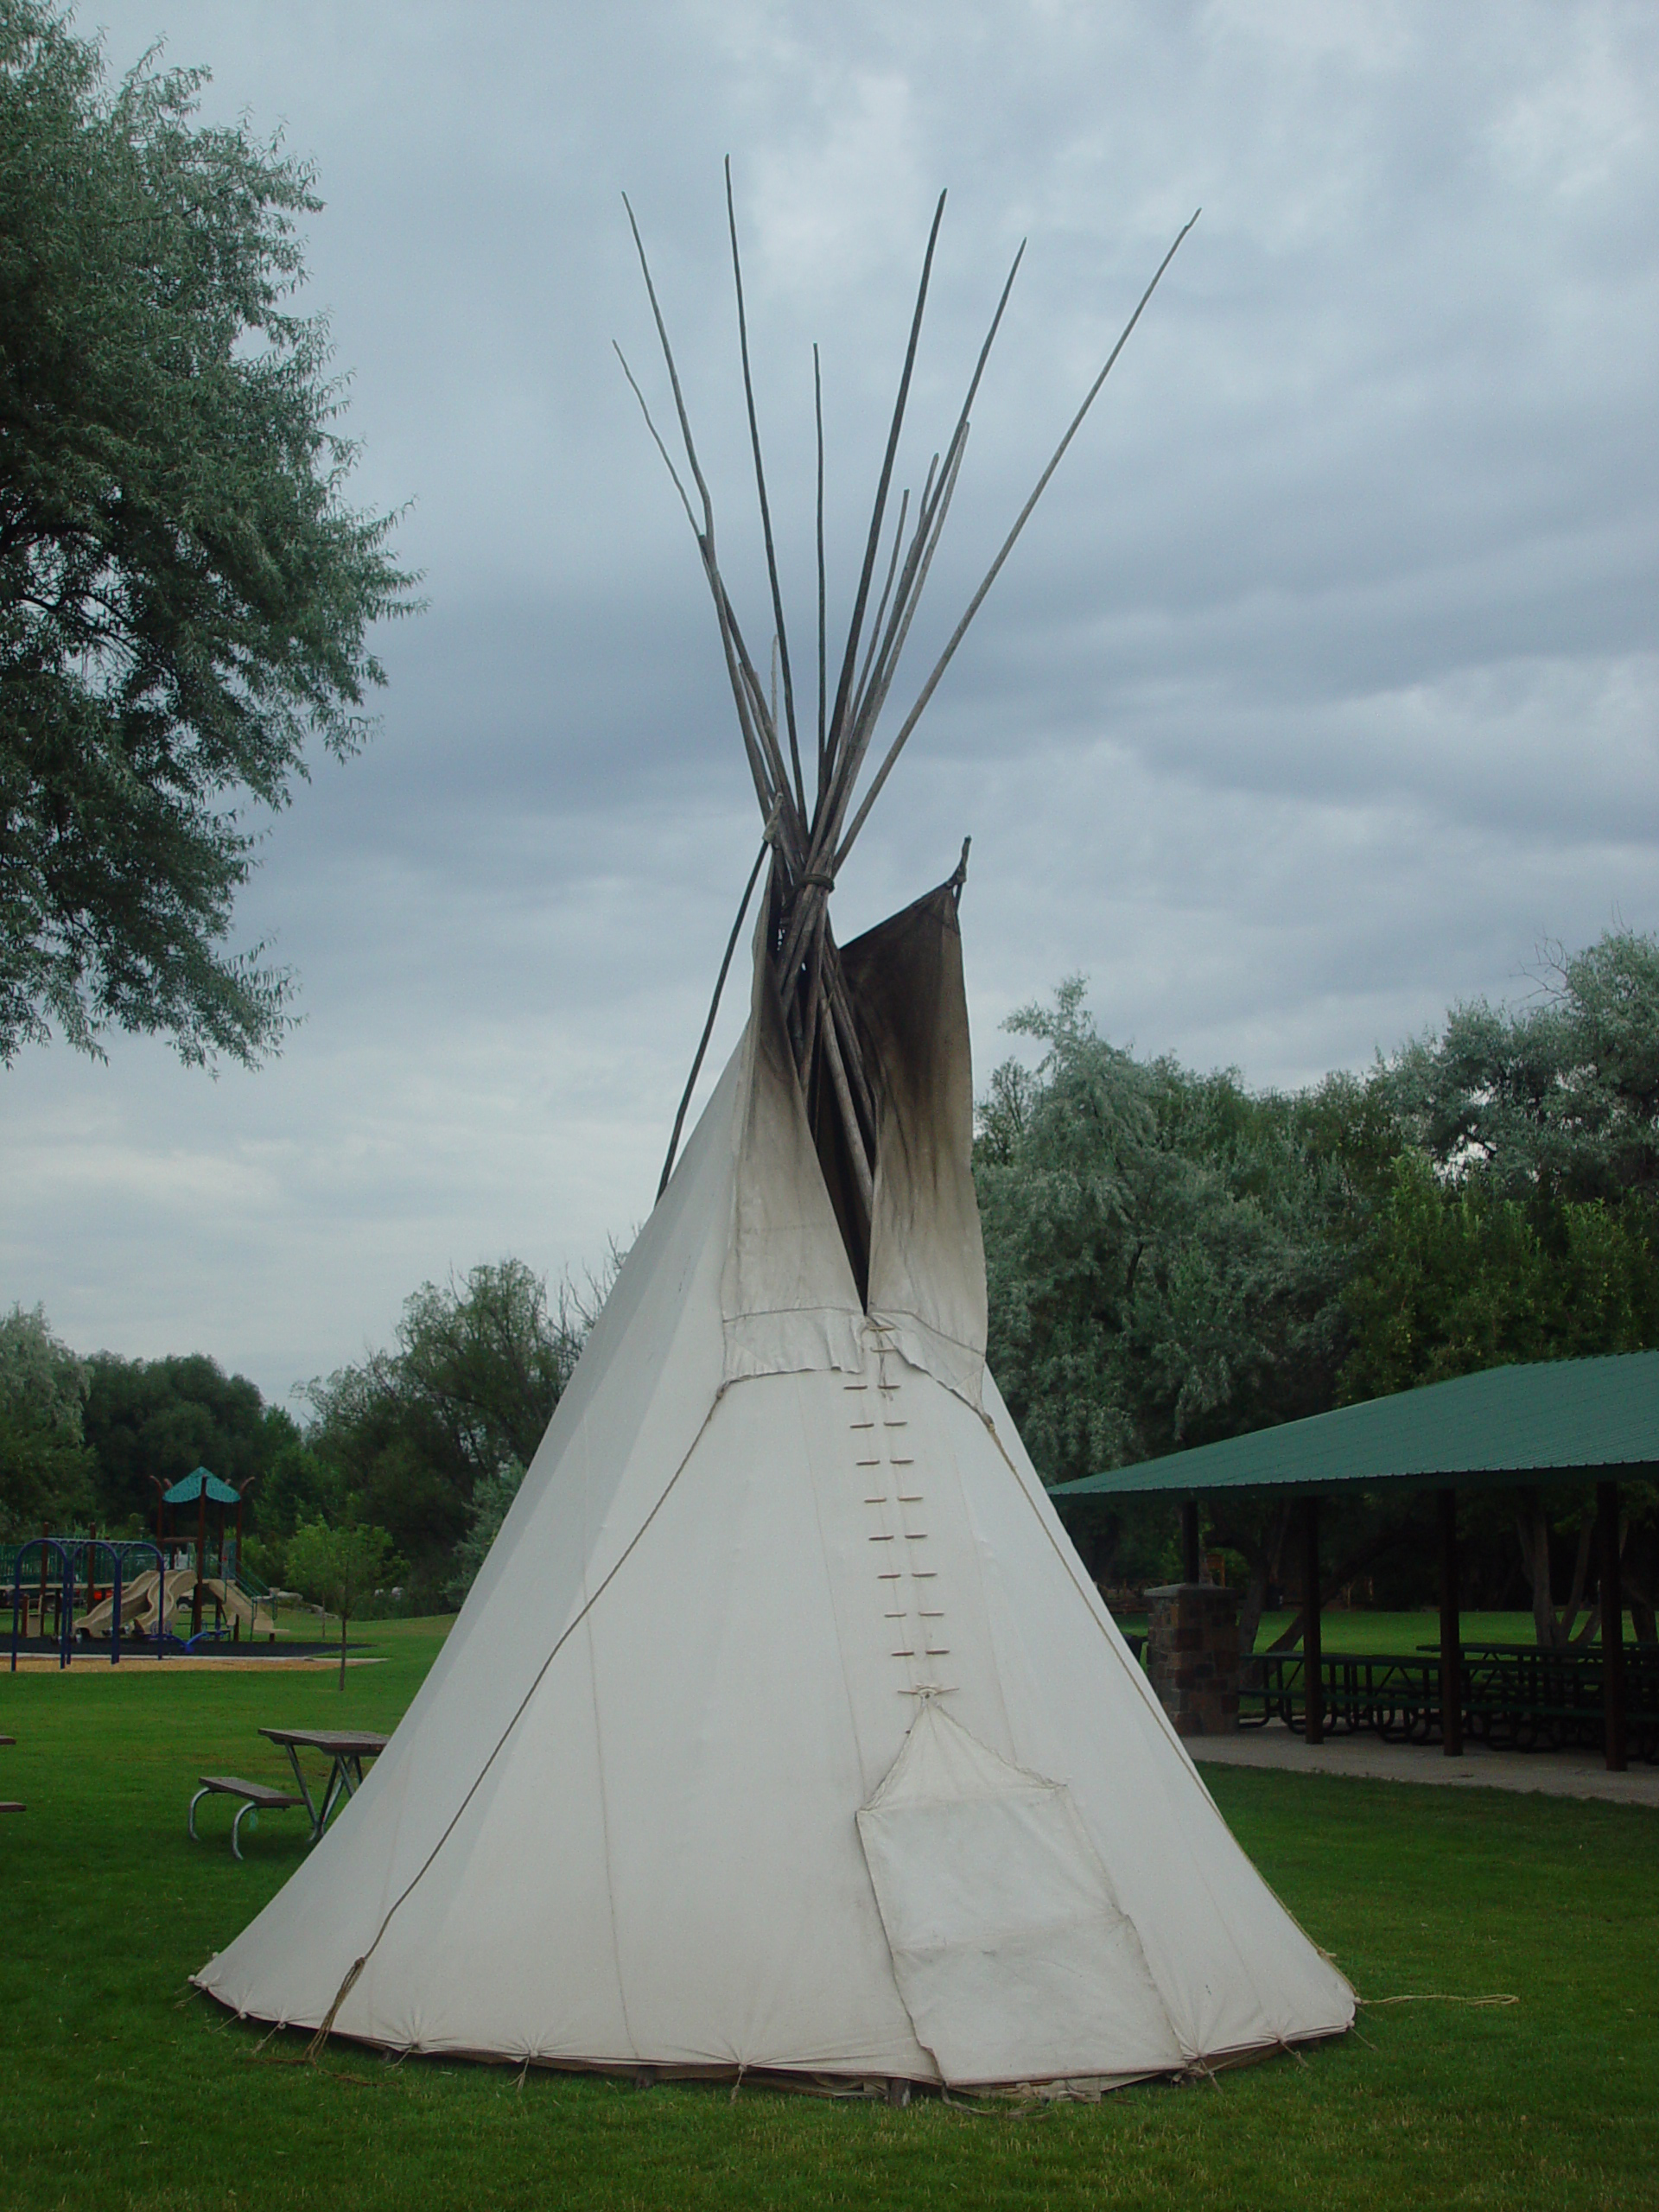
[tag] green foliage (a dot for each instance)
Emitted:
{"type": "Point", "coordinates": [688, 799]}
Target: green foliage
{"type": "Point", "coordinates": [1520, 1216]}
{"type": "Point", "coordinates": [1171, 1258]}
{"type": "Point", "coordinates": [339, 1567]}
{"type": "Point", "coordinates": [153, 1420]}
{"type": "Point", "coordinates": [492, 1500]}
{"type": "Point", "coordinates": [299, 1487]}
{"type": "Point", "coordinates": [185, 596]}
{"type": "Point", "coordinates": [466, 1394]}
{"type": "Point", "coordinates": [1556, 1100]}
{"type": "Point", "coordinates": [45, 1467]}
{"type": "Point", "coordinates": [1459, 1277]}
{"type": "Point", "coordinates": [1158, 1249]}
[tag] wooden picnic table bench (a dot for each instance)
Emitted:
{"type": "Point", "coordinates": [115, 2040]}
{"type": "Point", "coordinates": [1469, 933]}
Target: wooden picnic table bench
{"type": "Point", "coordinates": [345, 1749]}
{"type": "Point", "coordinates": [256, 1797]}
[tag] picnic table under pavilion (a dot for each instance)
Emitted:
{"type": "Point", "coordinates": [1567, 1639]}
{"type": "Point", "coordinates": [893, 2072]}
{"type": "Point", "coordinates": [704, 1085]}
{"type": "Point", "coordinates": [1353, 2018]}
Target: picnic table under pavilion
{"type": "Point", "coordinates": [1569, 1420]}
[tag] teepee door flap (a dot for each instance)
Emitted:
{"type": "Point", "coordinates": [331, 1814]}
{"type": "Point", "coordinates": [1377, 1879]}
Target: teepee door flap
{"type": "Point", "coordinates": [1012, 1955]}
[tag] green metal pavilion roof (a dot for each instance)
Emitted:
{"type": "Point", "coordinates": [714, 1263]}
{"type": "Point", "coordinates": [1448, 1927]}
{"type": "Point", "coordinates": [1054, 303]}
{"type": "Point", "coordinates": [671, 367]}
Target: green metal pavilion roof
{"type": "Point", "coordinates": [188, 1489]}
{"type": "Point", "coordinates": [1565, 1420]}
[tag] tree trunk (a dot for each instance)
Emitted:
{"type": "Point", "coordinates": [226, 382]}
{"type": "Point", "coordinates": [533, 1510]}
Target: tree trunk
{"type": "Point", "coordinates": [1553, 1631]}
{"type": "Point", "coordinates": [1580, 1583]}
{"type": "Point", "coordinates": [1533, 1529]}
{"type": "Point", "coordinates": [1355, 1563]}
{"type": "Point", "coordinates": [342, 1647]}
{"type": "Point", "coordinates": [1264, 1569]}
{"type": "Point", "coordinates": [1638, 1596]}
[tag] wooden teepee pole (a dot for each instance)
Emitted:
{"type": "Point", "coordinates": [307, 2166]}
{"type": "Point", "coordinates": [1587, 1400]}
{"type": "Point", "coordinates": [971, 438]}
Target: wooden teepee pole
{"type": "Point", "coordinates": [809, 844]}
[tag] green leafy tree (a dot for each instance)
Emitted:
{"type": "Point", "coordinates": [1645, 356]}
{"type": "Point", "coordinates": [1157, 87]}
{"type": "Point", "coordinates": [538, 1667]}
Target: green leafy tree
{"type": "Point", "coordinates": [339, 1567]}
{"type": "Point", "coordinates": [1165, 1255]}
{"type": "Point", "coordinates": [1459, 1277]}
{"type": "Point", "coordinates": [1555, 1099]}
{"type": "Point", "coordinates": [45, 1467]}
{"type": "Point", "coordinates": [491, 1501]}
{"type": "Point", "coordinates": [465, 1393]}
{"type": "Point", "coordinates": [1157, 1248]}
{"type": "Point", "coordinates": [185, 595]}
{"type": "Point", "coordinates": [152, 1420]}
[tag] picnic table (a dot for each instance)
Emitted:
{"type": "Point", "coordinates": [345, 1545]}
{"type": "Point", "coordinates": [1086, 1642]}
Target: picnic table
{"type": "Point", "coordinates": [345, 1748]}
{"type": "Point", "coordinates": [1515, 1696]}
{"type": "Point", "coordinates": [256, 1797]}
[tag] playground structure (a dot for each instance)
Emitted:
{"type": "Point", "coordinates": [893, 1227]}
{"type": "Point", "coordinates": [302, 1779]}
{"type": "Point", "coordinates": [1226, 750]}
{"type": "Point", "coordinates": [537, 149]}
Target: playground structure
{"type": "Point", "coordinates": [67, 1567]}
{"type": "Point", "coordinates": [245, 1605]}
{"type": "Point", "coordinates": [98, 1588]}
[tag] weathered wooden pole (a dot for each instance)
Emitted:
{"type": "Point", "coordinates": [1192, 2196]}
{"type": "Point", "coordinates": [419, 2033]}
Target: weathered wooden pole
{"type": "Point", "coordinates": [1190, 1562]}
{"type": "Point", "coordinates": [1312, 1648]}
{"type": "Point", "coordinates": [1451, 1630]}
{"type": "Point", "coordinates": [1612, 1625]}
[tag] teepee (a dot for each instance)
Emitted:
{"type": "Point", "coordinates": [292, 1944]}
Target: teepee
{"type": "Point", "coordinates": [783, 1730]}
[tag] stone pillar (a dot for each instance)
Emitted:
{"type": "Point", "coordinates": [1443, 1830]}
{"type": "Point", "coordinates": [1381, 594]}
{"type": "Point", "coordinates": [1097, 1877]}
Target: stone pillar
{"type": "Point", "coordinates": [1192, 1656]}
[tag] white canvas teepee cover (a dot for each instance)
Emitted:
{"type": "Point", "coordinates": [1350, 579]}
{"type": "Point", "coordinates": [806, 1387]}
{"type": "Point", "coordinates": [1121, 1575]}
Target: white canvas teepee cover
{"type": "Point", "coordinates": [783, 1728]}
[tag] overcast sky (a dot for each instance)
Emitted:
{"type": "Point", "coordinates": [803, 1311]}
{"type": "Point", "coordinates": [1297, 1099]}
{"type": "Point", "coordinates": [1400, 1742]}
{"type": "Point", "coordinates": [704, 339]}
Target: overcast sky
{"type": "Point", "coordinates": [1322, 690]}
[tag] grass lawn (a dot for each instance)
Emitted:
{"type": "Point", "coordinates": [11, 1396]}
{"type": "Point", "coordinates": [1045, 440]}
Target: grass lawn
{"type": "Point", "coordinates": [1406, 1633]}
{"type": "Point", "coordinates": [122, 2090]}
{"type": "Point", "coordinates": [1410, 1633]}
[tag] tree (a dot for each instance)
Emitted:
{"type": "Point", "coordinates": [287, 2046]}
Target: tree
{"type": "Point", "coordinates": [1171, 1258]}
{"type": "Point", "coordinates": [1556, 1099]}
{"type": "Point", "coordinates": [1165, 1254]}
{"type": "Point", "coordinates": [1457, 1277]}
{"type": "Point", "coordinates": [45, 1467]}
{"type": "Point", "coordinates": [338, 1567]}
{"type": "Point", "coordinates": [185, 595]}
{"type": "Point", "coordinates": [1158, 1249]}
{"type": "Point", "coordinates": [466, 1394]}
{"type": "Point", "coordinates": [491, 1501]}
{"type": "Point", "coordinates": [149, 1421]}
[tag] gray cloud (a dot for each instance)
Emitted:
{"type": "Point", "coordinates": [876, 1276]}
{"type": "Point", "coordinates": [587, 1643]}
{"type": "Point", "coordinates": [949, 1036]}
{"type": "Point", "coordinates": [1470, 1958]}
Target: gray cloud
{"type": "Point", "coordinates": [1324, 686]}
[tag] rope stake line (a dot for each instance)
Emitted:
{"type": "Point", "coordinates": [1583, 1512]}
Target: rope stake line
{"type": "Point", "coordinates": [325, 2026]}
{"type": "Point", "coordinates": [1439, 1997]}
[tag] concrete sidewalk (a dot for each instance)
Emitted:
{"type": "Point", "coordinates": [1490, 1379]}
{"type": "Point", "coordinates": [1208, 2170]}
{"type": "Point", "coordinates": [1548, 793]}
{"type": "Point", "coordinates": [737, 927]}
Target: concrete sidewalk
{"type": "Point", "coordinates": [1551, 1773]}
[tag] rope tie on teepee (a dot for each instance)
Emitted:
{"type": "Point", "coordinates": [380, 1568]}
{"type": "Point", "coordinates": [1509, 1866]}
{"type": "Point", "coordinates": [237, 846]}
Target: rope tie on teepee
{"type": "Point", "coordinates": [345, 1989]}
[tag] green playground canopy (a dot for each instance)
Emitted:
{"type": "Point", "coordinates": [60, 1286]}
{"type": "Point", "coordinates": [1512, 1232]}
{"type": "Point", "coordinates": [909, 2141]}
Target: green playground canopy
{"type": "Point", "coordinates": [1561, 1420]}
{"type": "Point", "coordinates": [188, 1491]}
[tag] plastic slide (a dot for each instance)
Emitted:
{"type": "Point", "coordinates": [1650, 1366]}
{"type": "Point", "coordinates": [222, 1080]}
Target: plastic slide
{"type": "Point", "coordinates": [237, 1605]}
{"type": "Point", "coordinates": [136, 1596]}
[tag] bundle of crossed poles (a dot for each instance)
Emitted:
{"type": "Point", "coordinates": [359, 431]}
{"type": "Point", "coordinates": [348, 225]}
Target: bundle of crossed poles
{"type": "Point", "coordinates": [809, 840]}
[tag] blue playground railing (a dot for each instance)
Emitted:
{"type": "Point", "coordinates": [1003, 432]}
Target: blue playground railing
{"type": "Point", "coordinates": [77, 1560]}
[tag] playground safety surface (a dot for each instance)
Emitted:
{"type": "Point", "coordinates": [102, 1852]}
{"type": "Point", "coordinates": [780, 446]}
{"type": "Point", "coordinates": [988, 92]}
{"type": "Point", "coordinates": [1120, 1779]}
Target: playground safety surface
{"type": "Point", "coordinates": [244, 1659]}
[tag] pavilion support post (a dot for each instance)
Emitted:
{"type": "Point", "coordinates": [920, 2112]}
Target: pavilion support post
{"type": "Point", "coordinates": [1451, 1630]}
{"type": "Point", "coordinates": [1612, 1625]}
{"type": "Point", "coordinates": [1313, 1647]}
{"type": "Point", "coordinates": [201, 1559]}
{"type": "Point", "coordinates": [1190, 1562]}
